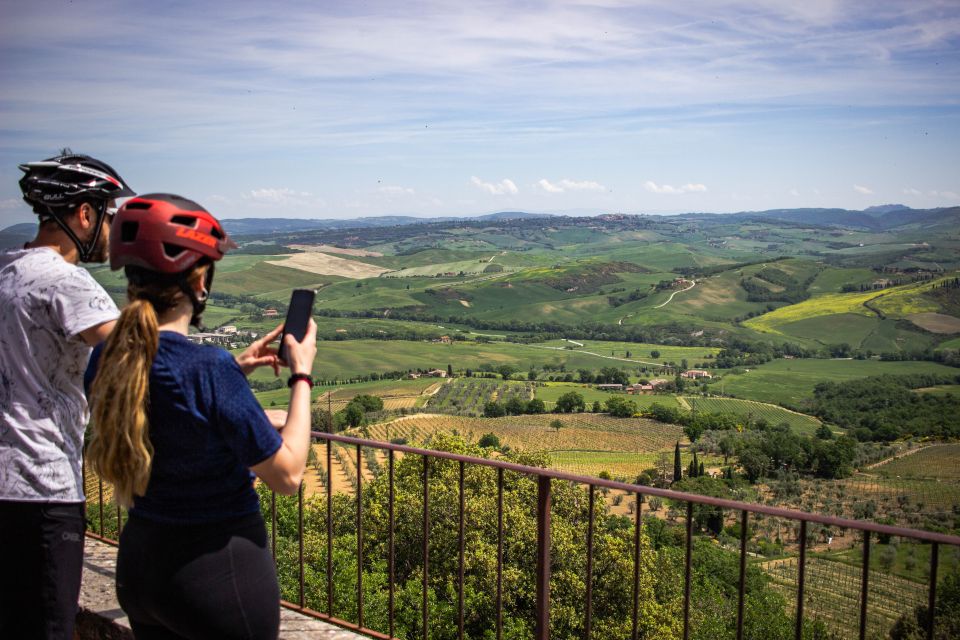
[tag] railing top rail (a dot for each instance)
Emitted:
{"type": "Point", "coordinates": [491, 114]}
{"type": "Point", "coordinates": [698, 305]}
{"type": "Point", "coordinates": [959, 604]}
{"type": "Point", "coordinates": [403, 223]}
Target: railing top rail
{"type": "Point", "coordinates": [777, 512]}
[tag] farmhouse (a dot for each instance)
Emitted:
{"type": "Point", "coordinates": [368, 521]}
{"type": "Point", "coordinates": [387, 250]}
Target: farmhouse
{"type": "Point", "coordinates": [640, 388]}
{"type": "Point", "coordinates": [437, 373]}
{"type": "Point", "coordinates": [695, 373]}
{"type": "Point", "coordinates": [270, 313]}
{"type": "Point", "coordinates": [610, 387]}
{"type": "Point", "coordinates": [658, 382]}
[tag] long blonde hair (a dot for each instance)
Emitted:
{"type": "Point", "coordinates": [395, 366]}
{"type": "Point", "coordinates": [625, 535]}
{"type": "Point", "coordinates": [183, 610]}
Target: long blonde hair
{"type": "Point", "coordinates": [119, 449]}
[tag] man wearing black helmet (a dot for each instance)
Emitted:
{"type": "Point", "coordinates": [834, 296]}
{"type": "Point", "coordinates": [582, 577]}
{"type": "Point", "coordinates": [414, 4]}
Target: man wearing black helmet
{"type": "Point", "coordinates": [51, 313]}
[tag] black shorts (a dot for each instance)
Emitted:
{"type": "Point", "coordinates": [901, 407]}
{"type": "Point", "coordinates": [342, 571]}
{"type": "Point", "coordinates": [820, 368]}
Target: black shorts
{"type": "Point", "coordinates": [41, 554]}
{"type": "Point", "coordinates": [198, 581]}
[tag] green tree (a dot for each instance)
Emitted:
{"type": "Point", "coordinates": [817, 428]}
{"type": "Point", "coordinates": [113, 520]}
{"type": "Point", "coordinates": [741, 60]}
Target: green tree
{"type": "Point", "coordinates": [677, 474]}
{"type": "Point", "coordinates": [912, 626]}
{"type": "Point", "coordinates": [571, 402]}
{"type": "Point", "coordinates": [620, 407]}
{"type": "Point", "coordinates": [353, 414]}
{"type": "Point", "coordinates": [490, 440]}
{"type": "Point", "coordinates": [535, 405]}
{"type": "Point", "coordinates": [506, 371]}
{"type": "Point", "coordinates": [493, 410]}
{"type": "Point", "coordinates": [514, 406]}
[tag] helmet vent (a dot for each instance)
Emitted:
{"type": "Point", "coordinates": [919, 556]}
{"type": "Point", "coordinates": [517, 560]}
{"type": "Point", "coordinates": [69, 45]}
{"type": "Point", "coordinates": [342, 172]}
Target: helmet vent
{"type": "Point", "coordinates": [216, 233]}
{"type": "Point", "coordinates": [171, 250]}
{"type": "Point", "coordinates": [187, 221]}
{"type": "Point", "coordinates": [128, 231]}
{"type": "Point", "coordinates": [139, 205]}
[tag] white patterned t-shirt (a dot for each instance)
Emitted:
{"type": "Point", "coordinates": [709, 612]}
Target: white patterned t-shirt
{"type": "Point", "coordinates": [45, 303]}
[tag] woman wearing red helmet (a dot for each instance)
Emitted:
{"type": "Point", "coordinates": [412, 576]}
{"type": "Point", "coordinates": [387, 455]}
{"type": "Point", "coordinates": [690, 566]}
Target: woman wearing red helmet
{"type": "Point", "coordinates": [177, 431]}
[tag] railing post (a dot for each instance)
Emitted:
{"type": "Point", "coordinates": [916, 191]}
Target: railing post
{"type": "Point", "coordinates": [742, 587]}
{"type": "Point", "coordinates": [460, 555]}
{"type": "Point", "coordinates": [330, 528]}
{"type": "Point", "coordinates": [359, 536]}
{"type": "Point", "coordinates": [932, 599]}
{"type": "Point", "coordinates": [426, 547]}
{"type": "Point", "coordinates": [303, 601]}
{"type": "Point", "coordinates": [801, 573]}
{"type": "Point", "coordinates": [686, 572]}
{"type": "Point", "coordinates": [390, 553]}
{"type": "Point", "coordinates": [543, 558]}
{"type": "Point", "coordinates": [588, 622]}
{"type": "Point", "coordinates": [865, 585]}
{"type": "Point", "coordinates": [499, 554]}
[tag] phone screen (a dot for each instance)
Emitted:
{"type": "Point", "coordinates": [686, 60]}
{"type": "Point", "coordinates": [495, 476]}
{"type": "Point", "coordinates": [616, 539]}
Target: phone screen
{"type": "Point", "coordinates": [298, 317]}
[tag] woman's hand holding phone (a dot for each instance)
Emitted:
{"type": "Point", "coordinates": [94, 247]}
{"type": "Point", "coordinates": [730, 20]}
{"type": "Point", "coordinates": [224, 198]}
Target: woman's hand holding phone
{"type": "Point", "coordinates": [300, 355]}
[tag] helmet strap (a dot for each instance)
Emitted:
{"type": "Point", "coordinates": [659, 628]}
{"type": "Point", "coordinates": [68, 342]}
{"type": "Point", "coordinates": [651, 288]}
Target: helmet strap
{"type": "Point", "coordinates": [84, 249]}
{"type": "Point", "coordinates": [198, 303]}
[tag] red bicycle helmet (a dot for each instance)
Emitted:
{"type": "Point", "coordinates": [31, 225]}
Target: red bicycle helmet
{"type": "Point", "coordinates": [165, 233]}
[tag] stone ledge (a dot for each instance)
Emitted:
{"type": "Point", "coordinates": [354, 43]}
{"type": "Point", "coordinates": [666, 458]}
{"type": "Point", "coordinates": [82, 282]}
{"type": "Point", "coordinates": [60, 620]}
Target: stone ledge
{"type": "Point", "coordinates": [101, 618]}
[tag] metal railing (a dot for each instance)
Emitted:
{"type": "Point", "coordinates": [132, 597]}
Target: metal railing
{"type": "Point", "coordinates": [544, 478]}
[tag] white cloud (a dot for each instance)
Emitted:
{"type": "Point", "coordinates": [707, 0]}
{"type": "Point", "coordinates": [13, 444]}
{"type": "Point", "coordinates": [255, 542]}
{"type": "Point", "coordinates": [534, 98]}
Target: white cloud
{"type": "Point", "coordinates": [945, 194]}
{"type": "Point", "coordinates": [570, 185]}
{"type": "Point", "coordinates": [910, 191]}
{"type": "Point", "coordinates": [666, 189]}
{"type": "Point", "coordinates": [549, 187]}
{"type": "Point", "coordinates": [505, 186]}
{"type": "Point", "coordinates": [11, 203]}
{"type": "Point", "coordinates": [276, 196]}
{"type": "Point", "coordinates": [863, 190]}
{"type": "Point", "coordinates": [794, 193]}
{"type": "Point", "coordinates": [392, 190]}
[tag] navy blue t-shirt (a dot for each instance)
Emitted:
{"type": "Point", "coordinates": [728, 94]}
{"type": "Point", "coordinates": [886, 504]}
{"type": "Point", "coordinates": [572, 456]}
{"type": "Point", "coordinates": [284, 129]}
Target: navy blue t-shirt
{"type": "Point", "coordinates": [206, 428]}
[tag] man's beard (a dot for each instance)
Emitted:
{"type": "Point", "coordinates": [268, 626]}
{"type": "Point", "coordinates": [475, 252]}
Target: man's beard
{"type": "Point", "coordinates": [100, 250]}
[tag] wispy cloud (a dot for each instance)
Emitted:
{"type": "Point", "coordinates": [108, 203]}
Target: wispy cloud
{"type": "Point", "coordinates": [867, 191]}
{"type": "Point", "coordinates": [910, 191]}
{"type": "Point", "coordinates": [569, 185]}
{"type": "Point", "coordinates": [279, 197]}
{"type": "Point", "coordinates": [393, 190]}
{"type": "Point", "coordinates": [666, 189]}
{"type": "Point", "coordinates": [504, 187]}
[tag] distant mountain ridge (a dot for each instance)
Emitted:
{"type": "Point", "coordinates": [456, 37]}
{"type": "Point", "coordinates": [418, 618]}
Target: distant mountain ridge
{"type": "Point", "coordinates": [885, 217]}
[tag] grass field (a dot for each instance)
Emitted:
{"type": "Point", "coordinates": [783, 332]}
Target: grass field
{"type": "Point", "coordinates": [895, 302]}
{"type": "Point", "coordinates": [790, 382]}
{"type": "Point", "coordinates": [639, 351]}
{"type": "Point", "coordinates": [343, 359]}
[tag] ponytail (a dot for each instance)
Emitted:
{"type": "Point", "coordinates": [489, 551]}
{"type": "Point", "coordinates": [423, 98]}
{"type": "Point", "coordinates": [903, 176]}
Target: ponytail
{"type": "Point", "coordinates": [120, 449]}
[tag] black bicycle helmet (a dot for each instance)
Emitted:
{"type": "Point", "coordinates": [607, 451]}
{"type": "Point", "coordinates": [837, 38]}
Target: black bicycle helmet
{"type": "Point", "coordinates": [55, 187]}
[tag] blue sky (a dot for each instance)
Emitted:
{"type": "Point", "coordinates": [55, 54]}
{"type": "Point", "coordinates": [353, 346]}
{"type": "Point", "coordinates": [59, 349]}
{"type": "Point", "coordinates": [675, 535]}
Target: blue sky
{"type": "Point", "coordinates": [349, 109]}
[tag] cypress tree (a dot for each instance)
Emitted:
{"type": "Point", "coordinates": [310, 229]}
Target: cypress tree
{"type": "Point", "coordinates": [676, 463]}
{"type": "Point", "coordinates": [700, 472]}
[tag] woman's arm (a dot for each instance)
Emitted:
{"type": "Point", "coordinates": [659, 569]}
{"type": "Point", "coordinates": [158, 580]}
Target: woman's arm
{"type": "Point", "coordinates": [283, 471]}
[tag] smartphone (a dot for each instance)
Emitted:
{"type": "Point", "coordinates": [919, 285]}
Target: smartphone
{"type": "Point", "coordinates": [298, 317]}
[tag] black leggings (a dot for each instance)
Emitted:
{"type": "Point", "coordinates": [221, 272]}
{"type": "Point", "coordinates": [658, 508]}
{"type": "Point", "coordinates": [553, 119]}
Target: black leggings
{"type": "Point", "coordinates": [214, 580]}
